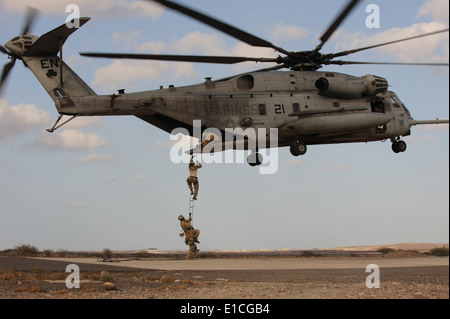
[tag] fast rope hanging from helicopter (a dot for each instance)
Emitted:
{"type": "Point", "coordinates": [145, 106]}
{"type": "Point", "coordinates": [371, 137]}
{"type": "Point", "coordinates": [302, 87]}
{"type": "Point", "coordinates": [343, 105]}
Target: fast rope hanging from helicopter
{"type": "Point", "coordinates": [190, 233]}
{"type": "Point", "coordinates": [193, 180]}
{"type": "Point", "coordinates": [191, 208]}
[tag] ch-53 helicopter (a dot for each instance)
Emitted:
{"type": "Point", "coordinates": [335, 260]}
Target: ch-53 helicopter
{"type": "Point", "coordinates": [306, 106]}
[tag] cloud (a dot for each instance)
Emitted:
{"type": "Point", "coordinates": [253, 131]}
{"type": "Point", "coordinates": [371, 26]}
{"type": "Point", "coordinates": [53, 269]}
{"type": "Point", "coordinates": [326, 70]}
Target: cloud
{"type": "Point", "coordinates": [437, 9]}
{"type": "Point", "coordinates": [201, 43]}
{"type": "Point", "coordinates": [282, 32]}
{"type": "Point", "coordinates": [131, 41]}
{"type": "Point", "coordinates": [16, 120]}
{"type": "Point", "coordinates": [126, 39]}
{"type": "Point", "coordinates": [121, 73]}
{"type": "Point", "coordinates": [69, 139]}
{"type": "Point", "coordinates": [152, 46]}
{"type": "Point", "coordinates": [95, 158]}
{"type": "Point", "coordinates": [81, 121]}
{"type": "Point", "coordinates": [103, 8]}
{"type": "Point", "coordinates": [433, 48]}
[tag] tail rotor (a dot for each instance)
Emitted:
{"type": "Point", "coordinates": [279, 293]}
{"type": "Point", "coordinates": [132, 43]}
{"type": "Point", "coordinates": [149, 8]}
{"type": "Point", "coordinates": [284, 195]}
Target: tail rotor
{"type": "Point", "coordinates": [29, 21]}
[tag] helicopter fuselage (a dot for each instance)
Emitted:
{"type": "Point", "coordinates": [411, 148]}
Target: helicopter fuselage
{"type": "Point", "coordinates": [309, 106]}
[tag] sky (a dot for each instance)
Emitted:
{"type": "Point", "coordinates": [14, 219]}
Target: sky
{"type": "Point", "coordinates": [109, 182]}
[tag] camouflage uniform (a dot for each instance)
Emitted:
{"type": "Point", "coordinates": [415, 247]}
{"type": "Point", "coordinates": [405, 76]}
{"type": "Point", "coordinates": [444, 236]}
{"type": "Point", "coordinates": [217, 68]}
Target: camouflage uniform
{"type": "Point", "coordinates": [189, 231]}
{"type": "Point", "coordinates": [192, 180]}
{"type": "Point", "coordinates": [191, 236]}
{"type": "Point", "coordinates": [192, 250]}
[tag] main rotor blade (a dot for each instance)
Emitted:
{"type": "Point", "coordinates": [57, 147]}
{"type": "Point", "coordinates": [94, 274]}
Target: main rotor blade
{"type": "Point", "coordinates": [324, 38]}
{"type": "Point", "coordinates": [179, 58]}
{"type": "Point", "coordinates": [31, 17]}
{"type": "Point", "coordinates": [219, 25]}
{"type": "Point", "coordinates": [347, 52]}
{"type": "Point", "coordinates": [338, 62]}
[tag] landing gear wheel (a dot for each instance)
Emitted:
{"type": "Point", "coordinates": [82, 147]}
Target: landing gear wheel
{"type": "Point", "coordinates": [399, 146]}
{"type": "Point", "coordinates": [298, 149]}
{"type": "Point", "coordinates": [255, 159]}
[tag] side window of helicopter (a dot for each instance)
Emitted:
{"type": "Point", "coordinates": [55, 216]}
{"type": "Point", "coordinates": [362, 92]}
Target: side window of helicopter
{"type": "Point", "coordinates": [262, 109]}
{"type": "Point", "coordinates": [295, 107]}
{"type": "Point", "coordinates": [377, 106]}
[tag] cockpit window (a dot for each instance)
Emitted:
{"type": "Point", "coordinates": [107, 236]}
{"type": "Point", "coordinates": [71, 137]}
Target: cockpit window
{"type": "Point", "coordinates": [406, 110]}
{"type": "Point", "coordinates": [395, 101]}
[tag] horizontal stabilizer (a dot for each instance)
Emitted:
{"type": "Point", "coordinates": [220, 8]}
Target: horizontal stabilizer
{"type": "Point", "coordinates": [50, 43]}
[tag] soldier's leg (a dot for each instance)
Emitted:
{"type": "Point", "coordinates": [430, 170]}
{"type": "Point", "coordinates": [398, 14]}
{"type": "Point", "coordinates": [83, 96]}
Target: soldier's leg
{"type": "Point", "coordinates": [189, 237]}
{"type": "Point", "coordinates": [195, 251]}
{"type": "Point", "coordinates": [196, 233]}
{"type": "Point", "coordinates": [196, 189]}
{"type": "Point", "coordinates": [191, 251]}
{"type": "Point", "coordinates": [190, 185]}
{"type": "Point", "coordinates": [188, 256]}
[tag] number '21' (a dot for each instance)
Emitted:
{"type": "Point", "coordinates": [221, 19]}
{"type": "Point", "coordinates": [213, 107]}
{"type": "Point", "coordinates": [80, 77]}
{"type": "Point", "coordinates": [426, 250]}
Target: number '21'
{"type": "Point", "coordinates": [279, 108]}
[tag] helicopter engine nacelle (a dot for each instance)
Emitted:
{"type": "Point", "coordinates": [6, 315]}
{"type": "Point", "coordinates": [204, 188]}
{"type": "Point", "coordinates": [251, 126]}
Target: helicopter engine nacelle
{"type": "Point", "coordinates": [354, 88]}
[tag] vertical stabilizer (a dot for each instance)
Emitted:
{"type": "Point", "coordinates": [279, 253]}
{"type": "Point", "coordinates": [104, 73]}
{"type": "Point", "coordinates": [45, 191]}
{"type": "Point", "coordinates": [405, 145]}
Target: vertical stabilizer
{"type": "Point", "coordinates": [40, 54]}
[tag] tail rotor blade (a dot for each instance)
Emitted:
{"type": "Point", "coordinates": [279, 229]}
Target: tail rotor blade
{"type": "Point", "coordinates": [31, 18]}
{"type": "Point", "coordinates": [4, 50]}
{"type": "Point", "coordinates": [6, 70]}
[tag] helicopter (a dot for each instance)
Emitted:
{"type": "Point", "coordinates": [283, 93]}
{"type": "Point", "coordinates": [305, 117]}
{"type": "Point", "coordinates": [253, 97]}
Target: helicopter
{"type": "Point", "coordinates": [305, 106]}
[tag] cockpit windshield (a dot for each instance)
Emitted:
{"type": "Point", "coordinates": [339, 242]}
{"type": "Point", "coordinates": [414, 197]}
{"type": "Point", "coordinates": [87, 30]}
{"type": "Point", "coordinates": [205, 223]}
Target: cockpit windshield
{"type": "Point", "coordinates": [406, 110]}
{"type": "Point", "coordinates": [395, 101]}
{"type": "Point", "coordinates": [398, 104]}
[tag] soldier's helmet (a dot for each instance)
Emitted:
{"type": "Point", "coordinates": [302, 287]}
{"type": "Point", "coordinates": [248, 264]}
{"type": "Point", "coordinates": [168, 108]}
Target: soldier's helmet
{"type": "Point", "coordinates": [181, 217]}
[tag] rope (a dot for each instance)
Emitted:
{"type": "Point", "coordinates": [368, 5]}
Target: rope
{"type": "Point", "coordinates": [191, 208]}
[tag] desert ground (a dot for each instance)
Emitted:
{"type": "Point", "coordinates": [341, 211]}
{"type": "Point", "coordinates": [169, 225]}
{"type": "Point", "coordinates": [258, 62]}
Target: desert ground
{"type": "Point", "coordinates": [329, 274]}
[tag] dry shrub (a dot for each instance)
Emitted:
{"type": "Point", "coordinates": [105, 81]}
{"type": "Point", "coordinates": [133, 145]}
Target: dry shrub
{"type": "Point", "coordinates": [28, 288]}
{"type": "Point", "coordinates": [167, 279]}
{"type": "Point", "coordinates": [9, 275]}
